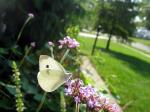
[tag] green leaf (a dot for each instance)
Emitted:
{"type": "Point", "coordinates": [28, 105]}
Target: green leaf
{"type": "Point", "coordinates": [10, 88]}
{"type": "Point", "coordinates": [38, 97]}
{"type": "Point", "coordinates": [32, 59]}
{"type": "Point", "coordinates": [5, 104]}
{"type": "Point", "coordinates": [3, 51]}
{"type": "Point", "coordinates": [29, 88]}
{"type": "Point", "coordinates": [15, 50]}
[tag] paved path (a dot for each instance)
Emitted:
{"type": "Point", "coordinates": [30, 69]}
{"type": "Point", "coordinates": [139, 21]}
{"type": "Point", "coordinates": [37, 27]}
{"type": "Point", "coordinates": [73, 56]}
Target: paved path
{"type": "Point", "coordinates": [133, 49]}
{"type": "Point", "coordinates": [140, 46]}
{"type": "Point", "coordinates": [89, 71]}
{"type": "Point", "coordinates": [102, 36]}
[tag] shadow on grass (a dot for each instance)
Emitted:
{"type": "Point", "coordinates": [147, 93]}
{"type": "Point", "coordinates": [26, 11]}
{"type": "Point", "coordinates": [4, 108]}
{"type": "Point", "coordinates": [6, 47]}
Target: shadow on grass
{"type": "Point", "coordinates": [137, 64]}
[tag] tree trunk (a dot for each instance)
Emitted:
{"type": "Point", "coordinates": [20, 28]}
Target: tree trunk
{"type": "Point", "coordinates": [94, 45]}
{"type": "Point", "coordinates": [108, 42]}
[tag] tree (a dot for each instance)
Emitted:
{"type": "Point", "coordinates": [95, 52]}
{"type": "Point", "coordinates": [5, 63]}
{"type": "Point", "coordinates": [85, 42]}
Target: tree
{"type": "Point", "coordinates": [116, 18]}
{"type": "Point", "coordinates": [146, 10]}
{"type": "Point", "coordinates": [90, 15]}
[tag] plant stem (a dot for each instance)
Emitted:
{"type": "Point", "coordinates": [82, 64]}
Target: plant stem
{"type": "Point", "coordinates": [42, 102]}
{"type": "Point", "coordinates": [26, 53]}
{"type": "Point", "coordinates": [22, 28]}
{"type": "Point", "coordinates": [52, 52]}
{"type": "Point", "coordinates": [19, 97]}
{"type": "Point", "coordinates": [77, 107]}
{"type": "Point", "coordinates": [86, 108]}
{"type": "Point", "coordinates": [62, 101]}
{"type": "Point", "coordinates": [20, 32]}
{"type": "Point", "coordinates": [64, 56]}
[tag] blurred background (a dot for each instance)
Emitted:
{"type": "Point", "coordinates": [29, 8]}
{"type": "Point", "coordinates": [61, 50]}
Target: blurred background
{"type": "Point", "coordinates": [115, 32]}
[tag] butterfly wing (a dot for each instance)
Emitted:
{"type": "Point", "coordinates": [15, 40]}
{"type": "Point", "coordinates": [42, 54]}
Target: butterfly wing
{"type": "Point", "coordinates": [46, 62]}
{"type": "Point", "coordinates": [50, 80]}
{"type": "Point", "coordinates": [51, 74]}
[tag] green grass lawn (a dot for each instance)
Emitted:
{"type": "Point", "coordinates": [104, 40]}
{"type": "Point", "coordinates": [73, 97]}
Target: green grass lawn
{"type": "Point", "coordinates": [140, 40]}
{"type": "Point", "coordinates": [126, 72]}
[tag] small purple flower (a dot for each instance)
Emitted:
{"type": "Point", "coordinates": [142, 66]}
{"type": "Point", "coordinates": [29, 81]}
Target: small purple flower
{"type": "Point", "coordinates": [77, 99]}
{"type": "Point", "coordinates": [84, 92]}
{"type": "Point", "coordinates": [90, 103]}
{"type": "Point", "coordinates": [68, 42]}
{"type": "Point", "coordinates": [112, 107]}
{"type": "Point", "coordinates": [98, 106]}
{"type": "Point", "coordinates": [60, 46]}
{"type": "Point", "coordinates": [31, 15]}
{"type": "Point", "coordinates": [87, 91]}
{"type": "Point", "coordinates": [90, 89]}
{"type": "Point", "coordinates": [33, 44]}
{"type": "Point", "coordinates": [80, 82]}
{"type": "Point", "coordinates": [68, 91]}
{"type": "Point", "coordinates": [50, 43]}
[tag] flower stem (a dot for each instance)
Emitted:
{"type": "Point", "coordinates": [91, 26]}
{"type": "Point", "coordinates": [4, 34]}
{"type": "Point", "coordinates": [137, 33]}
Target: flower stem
{"type": "Point", "coordinates": [87, 109]}
{"type": "Point", "coordinates": [77, 107]}
{"type": "Point", "coordinates": [22, 28]}
{"type": "Point", "coordinates": [64, 56]}
{"type": "Point", "coordinates": [42, 102]}
{"type": "Point", "coordinates": [26, 53]}
{"type": "Point", "coordinates": [52, 52]}
{"type": "Point", "coordinates": [20, 32]}
{"type": "Point", "coordinates": [62, 101]}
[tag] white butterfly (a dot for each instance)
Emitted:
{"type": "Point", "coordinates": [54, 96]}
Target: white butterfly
{"type": "Point", "coordinates": [52, 74]}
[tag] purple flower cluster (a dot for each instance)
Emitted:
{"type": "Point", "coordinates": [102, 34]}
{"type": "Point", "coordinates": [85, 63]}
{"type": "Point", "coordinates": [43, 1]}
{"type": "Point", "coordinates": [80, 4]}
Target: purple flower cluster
{"type": "Point", "coordinates": [68, 42]}
{"type": "Point", "coordinates": [89, 96]}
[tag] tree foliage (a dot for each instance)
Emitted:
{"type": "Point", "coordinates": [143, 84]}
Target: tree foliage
{"type": "Point", "coordinates": [117, 17]}
{"type": "Point", "coordinates": [147, 15]}
{"type": "Point", "coordinates": [90, 16]}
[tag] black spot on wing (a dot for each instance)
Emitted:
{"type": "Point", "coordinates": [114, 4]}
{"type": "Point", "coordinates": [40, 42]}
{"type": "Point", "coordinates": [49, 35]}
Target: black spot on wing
{"type": "Point", "coordinates": [47, 66]}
